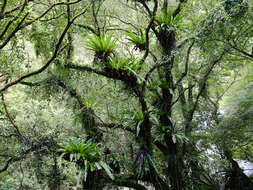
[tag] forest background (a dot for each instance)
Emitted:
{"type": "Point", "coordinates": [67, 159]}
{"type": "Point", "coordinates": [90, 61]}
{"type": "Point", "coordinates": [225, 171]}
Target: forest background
{"type": "Point", "coordinates": [141, 94]}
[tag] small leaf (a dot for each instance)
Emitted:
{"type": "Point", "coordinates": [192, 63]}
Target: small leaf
{"type": "Point", "coordinates": [138, 128]}
{"type": "Point", "coordinates": [107, 169]}
{"type": "Point", "coordinates": [174, 139]}
{"type": "Point", "coordinates": [78, 156]}
{"type": "Point", "coordinates": [85, 169]}
{"type": "Point", "coordinates": [92, 168]}
{"type": "Point", "coordinates": [71, 157]}
{"type": "Point", "coordinates": [98, 166]}
{"type": "Point", "coordinates": [171, 91]}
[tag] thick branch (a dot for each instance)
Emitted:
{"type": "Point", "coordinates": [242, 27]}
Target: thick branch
{"type": "Point", "coordinates": [161, 147]}
{"type": "Point", "coordinates": [88, 69]}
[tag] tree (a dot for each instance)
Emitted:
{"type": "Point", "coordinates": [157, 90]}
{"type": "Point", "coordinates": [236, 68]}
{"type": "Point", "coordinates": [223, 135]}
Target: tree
{"type": "Point", "coordinates": [138, 99]}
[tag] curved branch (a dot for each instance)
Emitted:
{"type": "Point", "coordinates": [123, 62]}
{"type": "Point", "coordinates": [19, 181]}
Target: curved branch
{"type": "Point", "coordinates": [178, 10]}
{"type": "Point", "coordinates": [9, 117]}
{"type": "Point", "coordinates": [185, 42]}
{"type": "Point", "coordinates": [86, 27]}
{"type": "Point", "coordinates": [146, 7]}
{"type": "Point", "coordinates": [57, 48]}
{"type": "Point", "coordinates": [116, 126]}
{"type": "Point", "coordinates": [186, 64]}
{"type": "Point", "coordinates": [50, 8]}
{"type": "Point", "coordinates": [147, 32]}
{"type": "Point", "coordinates": [3, 7]}
{"type": "Point", "coordinates": [86, 68]}
{"type": "Point", "coordinates": [124, 22]}
{"type": "Point", "coordinates": [17, 28]}
{"type": "Point", "coordinates": [203, 86]}
{"type": "Point", "coordinates": [8, 136]}
{"type": "Point", "coordinates": [6, 165]}
{"type": "Point", "coordinates": [35, 147]}
{"type": "Point", "coordinates": [12, 34]}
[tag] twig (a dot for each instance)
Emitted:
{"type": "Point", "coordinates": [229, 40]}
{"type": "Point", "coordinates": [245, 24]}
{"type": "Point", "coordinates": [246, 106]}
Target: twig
{"type": "Point", "coordinates": [9, 117]}
{"type": "Point", "coordinates": [50, 60]}
{"type": "Point", "coordinates": [186, 64]}
{"type": "Point", "coordinates": [147, 32]}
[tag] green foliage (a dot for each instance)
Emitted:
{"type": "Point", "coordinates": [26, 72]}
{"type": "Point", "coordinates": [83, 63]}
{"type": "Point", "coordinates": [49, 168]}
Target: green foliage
{"type": "Point", "coordinates": [88, 153]}
{"type": "Point", "coordinates": [129, 64]}
{"type": "Point", "coordinates": [7, 183]}
{"type": "Point", "coordinates": [89, 103]}
{"type": "Point", "coordinates": [40, 39]}
{"type": "Point", "coordinates": [178, 122]}
{"type": "Point", "coordinates": [137, 119]}
{"type": "Point", "coordinates": [59, 71]}
{"type": "Point", "coordinates": [165, 20]}
{"type": "Point", "coordinates": [139, 40]}
{"type": "Point", "coordinates": [137, 116]}
{"type": "Point", "coordinates": [234, 7]}
{"type": "Point", "coordinates": [236, 125]}
{"type": "Point", "coordinates": [101, 44]}
{"type": "Point", "coordinates": [145, 165]}
{"type": "Point", "coordinates": [77, 150]}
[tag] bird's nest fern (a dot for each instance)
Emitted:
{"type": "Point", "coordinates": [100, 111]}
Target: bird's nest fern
{"type": "Point", "coordinates": [86, 155]}
{"type": "Point", "coordinates": [101, 45]}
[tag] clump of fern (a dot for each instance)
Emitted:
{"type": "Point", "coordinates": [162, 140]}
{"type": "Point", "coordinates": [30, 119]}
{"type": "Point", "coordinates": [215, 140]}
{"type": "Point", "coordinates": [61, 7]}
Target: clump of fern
{"type": "Point", "coordinates": [144, 165]}
{"type": "Point", "coordinates": [165, 20]}
{"type": "Point", "coordinates": [139, 40]}
{"type": "Point", "coordinates": [101, 45]}
{"type": "Point", "coordinates": [86, 154]}
{"type": "Point", "coordinates": [129, 64]}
